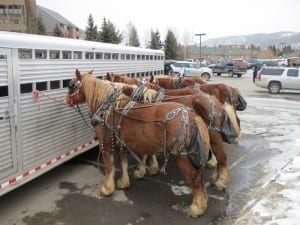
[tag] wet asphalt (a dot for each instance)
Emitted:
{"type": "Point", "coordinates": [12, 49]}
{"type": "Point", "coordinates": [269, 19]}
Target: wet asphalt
{"type": "Point", "coordinates": [69, 194]}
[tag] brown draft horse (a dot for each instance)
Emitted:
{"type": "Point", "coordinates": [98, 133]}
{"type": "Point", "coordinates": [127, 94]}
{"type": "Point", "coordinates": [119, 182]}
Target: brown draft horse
{"type": "Point", "coordinates": [213, 112]}
{"type": "Point", "coordinates": [224, 93]}
{"type": "Point", "coordinates": [173, 82]}
{"type": "Point", "coordinates": [143, 129]}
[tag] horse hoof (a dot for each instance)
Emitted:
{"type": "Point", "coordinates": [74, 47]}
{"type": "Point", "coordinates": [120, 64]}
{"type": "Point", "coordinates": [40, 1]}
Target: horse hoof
{"type": "Point", "coordinates": [139, 174]}
{"type": "Point", "coordinates": [106, 191]}
{"type": "Point", "coordinates": [152, 171]}
{"type": "Point", "coordinates": [121, 184]}
{"type": "Point", "coordinates": [195, 211]}
{"type": "Point", "coordinates": [221, 184]}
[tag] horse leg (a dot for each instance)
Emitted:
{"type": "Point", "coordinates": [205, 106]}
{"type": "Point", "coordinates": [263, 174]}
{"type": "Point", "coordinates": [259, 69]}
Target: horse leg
{"type": "Point", "coordinates": [153, 165]}
{"type": "Point", "coordinates": [108, 186]}
{"type": "Point", "coordinates": [123, 182]}
{"type": "Point", "coordinates": [220, 177]}
{"type": "Point", "coordinates": [196, 180]}
{"type": "Point", "coordinates": [212, 162]}
{"type": "Point", "coordinates": [140, 172]}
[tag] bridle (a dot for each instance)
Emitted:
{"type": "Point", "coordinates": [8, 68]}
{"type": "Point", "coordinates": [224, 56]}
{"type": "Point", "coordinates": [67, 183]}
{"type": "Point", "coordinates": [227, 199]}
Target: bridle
{"type": "Point", "coordinates": [75, 97]}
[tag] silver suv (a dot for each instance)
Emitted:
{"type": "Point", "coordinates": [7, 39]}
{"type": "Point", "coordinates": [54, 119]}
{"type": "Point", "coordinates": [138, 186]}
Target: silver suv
{"type": "Point", "coordinates": [278, 78]}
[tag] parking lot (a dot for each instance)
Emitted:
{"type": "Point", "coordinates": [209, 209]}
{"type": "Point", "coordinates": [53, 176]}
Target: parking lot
{"type": "Point", "coordinates": [68, 195]}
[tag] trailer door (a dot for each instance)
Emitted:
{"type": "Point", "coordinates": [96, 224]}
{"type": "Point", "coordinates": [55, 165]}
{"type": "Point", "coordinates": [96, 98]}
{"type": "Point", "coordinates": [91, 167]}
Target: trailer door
{"type": "Point", "coordinates": [8, 159]}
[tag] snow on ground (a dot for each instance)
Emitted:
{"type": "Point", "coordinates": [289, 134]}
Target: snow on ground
{"type": "Point", "coordinates": [279, 201]}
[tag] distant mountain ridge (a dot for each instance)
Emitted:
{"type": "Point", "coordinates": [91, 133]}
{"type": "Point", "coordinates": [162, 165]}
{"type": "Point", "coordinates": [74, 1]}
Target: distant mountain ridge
{"type": "Point", "coordinates": [279, 39]}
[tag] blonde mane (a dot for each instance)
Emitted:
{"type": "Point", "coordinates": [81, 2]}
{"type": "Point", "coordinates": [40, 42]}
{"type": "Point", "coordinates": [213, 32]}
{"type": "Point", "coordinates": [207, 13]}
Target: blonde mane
{"type": "Point", "coordinates": [96, 91]}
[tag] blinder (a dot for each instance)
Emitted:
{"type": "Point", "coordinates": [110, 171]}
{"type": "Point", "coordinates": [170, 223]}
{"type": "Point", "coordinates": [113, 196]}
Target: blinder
{"type": "Point", "coordinates": [74, 94]}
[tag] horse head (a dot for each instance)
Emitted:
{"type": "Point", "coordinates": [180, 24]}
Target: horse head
{"type": "Point", "coordinates": [75, 95]}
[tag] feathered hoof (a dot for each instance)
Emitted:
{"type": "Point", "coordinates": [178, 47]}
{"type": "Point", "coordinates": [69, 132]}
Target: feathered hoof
{"type": "Point", "coordinates": [196, 210]}
{"type": "Point", "coordinates": [123, 184]}
{"type": "Point", "coordinates": [139, 173]}
{"type": "Point", "coordinates": [106, 191]}
{"type": "Point", "coordinates": [221, 184]}
{"type": "Point", "coordinates": [152, 170]}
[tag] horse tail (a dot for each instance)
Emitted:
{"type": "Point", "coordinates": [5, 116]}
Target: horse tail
{"type": "Point", "coordinates": [202, 127]}
{"type": "Point", "coordinates": [233, 118]}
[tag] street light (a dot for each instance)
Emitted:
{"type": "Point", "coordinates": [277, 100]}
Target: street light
{"type": "Point", "coordinates": [200, 35]}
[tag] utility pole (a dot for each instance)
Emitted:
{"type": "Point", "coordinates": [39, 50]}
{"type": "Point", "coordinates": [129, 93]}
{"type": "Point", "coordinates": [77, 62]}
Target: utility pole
{"type": "Point", "coordinates": [200, 35]}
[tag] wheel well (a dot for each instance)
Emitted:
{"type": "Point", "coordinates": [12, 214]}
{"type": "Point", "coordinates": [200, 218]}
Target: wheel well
{"type": "Point", "coordinates": [274, 81]}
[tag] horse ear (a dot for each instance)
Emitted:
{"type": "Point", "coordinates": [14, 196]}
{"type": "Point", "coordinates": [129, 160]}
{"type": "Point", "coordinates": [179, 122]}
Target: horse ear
{"type": "Point", "coordinates": [151, 78]}
{"type": "Point", "coordinates": [91, 71]}
{"type": "Point", "coordinates": [78, 75]}
{"type": "Point", "coordinates": [108, 76]}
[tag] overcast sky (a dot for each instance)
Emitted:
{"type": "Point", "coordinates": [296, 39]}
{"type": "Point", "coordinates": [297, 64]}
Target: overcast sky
{"type": "Point", "coordinates": [216, 18]}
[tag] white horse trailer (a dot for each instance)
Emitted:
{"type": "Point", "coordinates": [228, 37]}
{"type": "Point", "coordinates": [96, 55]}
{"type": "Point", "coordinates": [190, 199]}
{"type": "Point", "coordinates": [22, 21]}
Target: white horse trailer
{"type": "Point", "coordinates": [37, 132]}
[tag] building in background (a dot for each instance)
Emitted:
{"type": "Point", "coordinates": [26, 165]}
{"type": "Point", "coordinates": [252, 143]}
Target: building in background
{"type": "Point", "coordinates": [22, 16]}
{"type": "Point", "coordinates": [51, 19]}
{"type": "Point", "coordinates": [15, 15]}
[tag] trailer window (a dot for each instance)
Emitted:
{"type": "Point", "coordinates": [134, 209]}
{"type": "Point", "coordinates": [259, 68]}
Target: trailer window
{"type": "Point", "coordinates": [107, 56]}
{"type": "Point", "coordinates": [26, 88]}
{"type": "Point", "coordinates": [40, 54]}
{"type": "Point", "coordinates": [115, 56]}
{"type": "Point", "coordinates": [25, 53]}
{"type": "Point", "coordinates": [89, 55]}
{"type": "Point", "coordinates": [122, 56]}
{"type": "Point", "coordinates": [54, 84]}
{"type": "Point", "coordinates": [66, 83]}
{"type": "Point", "coordinates": [66, 54]}
{"type": "Point", "coordinates": [77, 55]}
{"type": "Point", "coordinates": [99, 55]}
{"type": "Point", "coordinates": [41, 86]}
{"type": "Point", "coordinates": [54, 54]}
{"type": "Point", "coordinates": [4, 91]}
{"type": "Point", "coordinates": [133, 56]}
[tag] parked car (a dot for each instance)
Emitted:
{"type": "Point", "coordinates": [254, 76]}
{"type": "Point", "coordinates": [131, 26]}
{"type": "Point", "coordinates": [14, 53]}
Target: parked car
{"type": "Point", "coordinates": [254, 62]}
{"type": "Point", "coordinates": [189, 69]}
{"type": "Point", "coordinates": [270, 62]}
{"type": "Point", "coordinates": [231, 67]}
{"type": "Point", "coordinates": [278, 78]}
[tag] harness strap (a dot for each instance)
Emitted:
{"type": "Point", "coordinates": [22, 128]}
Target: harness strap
{"type": "Point", "coordinates": [161, 95]}
{"type": "Point", "coordinates": [212, 115]}
{"type": "Point", "coordinates": [96, 118]}
{"type": "Point", "coordinates": [182, 135]}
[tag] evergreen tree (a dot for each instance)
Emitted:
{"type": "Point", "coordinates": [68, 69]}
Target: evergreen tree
{"type": "Point", "coordinates": [108, 33]}
{"type": "Point", "coordinates": [133, 36]}
{"type": "Point", "coordinates": [57, 31]}
{"type": "Point", "coordinates": [170, 45]}
{"type": "Point", "coordinates": [91, 32]}
{"type": "Point", "coordinates": [41, 29]}
{"type": "Point", "coordinates": [155, 42]}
